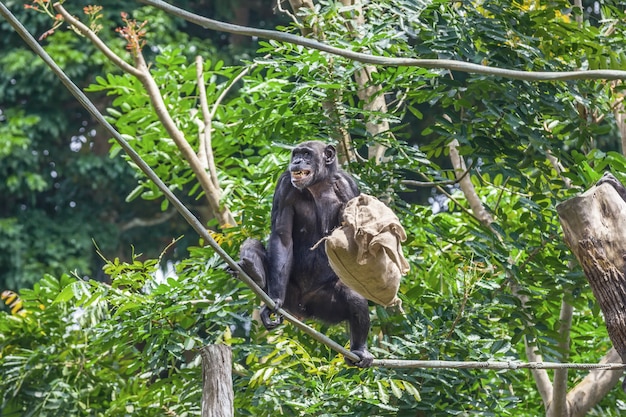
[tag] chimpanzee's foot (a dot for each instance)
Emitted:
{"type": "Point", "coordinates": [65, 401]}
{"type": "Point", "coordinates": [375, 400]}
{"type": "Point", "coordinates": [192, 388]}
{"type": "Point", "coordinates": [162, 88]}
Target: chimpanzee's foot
{"type": "Point", "coordinates": [365, 361]}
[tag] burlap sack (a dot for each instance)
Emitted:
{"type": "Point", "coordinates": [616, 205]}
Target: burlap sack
{"type": "Point", "coordinates": [365, 252]}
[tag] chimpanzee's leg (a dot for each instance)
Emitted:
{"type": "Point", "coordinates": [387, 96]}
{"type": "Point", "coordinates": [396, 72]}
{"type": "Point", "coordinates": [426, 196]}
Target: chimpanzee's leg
{"type": "Point", "coordinates": [253, 260]}
{"type": "Point", "coordinates": [359, 328]}
{"type": "Point", "coordinates": [335, 302]}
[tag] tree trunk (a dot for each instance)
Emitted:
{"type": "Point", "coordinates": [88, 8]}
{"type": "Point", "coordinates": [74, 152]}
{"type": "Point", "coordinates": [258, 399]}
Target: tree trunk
{"type": "Point", "coordinates": [594, 225]}
{"type": "Point", "coordinates": [217, 386]}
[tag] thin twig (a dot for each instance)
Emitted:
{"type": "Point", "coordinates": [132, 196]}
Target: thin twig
{"type": "Point", "coordinates": [98, 43]}
{"type": "Point", "coordinates": [438, 183]}
{"type": "Point", "coordinates": [279, 7]}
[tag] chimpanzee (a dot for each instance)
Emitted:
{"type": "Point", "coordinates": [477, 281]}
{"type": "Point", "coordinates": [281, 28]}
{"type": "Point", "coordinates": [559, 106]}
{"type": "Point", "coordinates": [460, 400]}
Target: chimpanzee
{"type": "Point", "coordinates": [308, 203]}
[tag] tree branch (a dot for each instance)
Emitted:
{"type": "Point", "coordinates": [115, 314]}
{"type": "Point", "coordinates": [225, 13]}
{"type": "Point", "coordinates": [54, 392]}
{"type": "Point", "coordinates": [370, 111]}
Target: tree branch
{"type": "Point", "coordinates": [208, 115]}
{"type": "Point", "coordinates": [98, 43]}
{"type": "Point", "coordinates": [333, 105]}
{"type": "Point", "coordinates": [204, 133]}
{"type": "Point", "coordinates": [588, 392]}
{"type": "Point", "coordinates": [558, 167]}
{"type": "Point", "coordinates": [139, 222]}
{"type": "Point", "coordinates": [558, 406]}
{"type": "Point", "coordinates": [467, 187]}
{"type": "Point", "coordinates": [542, 380]}
{"type": "Point", "coordinates": [447, 64]}
{"type": "Point", "coordinates": [620, 118]}
{"type": "Point", "coordinates": [439, 183]}
{"type": "Point", "coordinates": [370, 94]}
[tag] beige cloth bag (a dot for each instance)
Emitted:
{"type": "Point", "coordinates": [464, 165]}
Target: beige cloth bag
{"type": "Point", "coordinates": [365, 252]}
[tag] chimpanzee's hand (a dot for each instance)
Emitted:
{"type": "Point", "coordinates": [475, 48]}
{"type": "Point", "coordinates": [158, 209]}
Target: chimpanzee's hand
{"type": "Point", "coordinates": [266, 316]}
{"type": "Point", "coordinates": [366, 358]}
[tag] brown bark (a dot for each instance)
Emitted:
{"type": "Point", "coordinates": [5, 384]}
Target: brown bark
{"type": "Point", "coordinates": [594, 226]}
{"type": "Point", "coordinates": [217, 386]}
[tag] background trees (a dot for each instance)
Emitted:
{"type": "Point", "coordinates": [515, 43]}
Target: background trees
{"type": "Point", "coordinates": [491, 277]}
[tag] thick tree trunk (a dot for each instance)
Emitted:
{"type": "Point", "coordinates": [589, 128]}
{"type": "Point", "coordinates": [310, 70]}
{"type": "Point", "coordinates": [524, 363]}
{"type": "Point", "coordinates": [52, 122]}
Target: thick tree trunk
{"type": "Point", "coordinates": [217, 386]}
{"type": "Point", "coordinates": [594, 225]}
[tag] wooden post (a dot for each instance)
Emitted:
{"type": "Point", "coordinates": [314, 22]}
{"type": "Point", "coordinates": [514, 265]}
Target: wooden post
{"type": "Point", "coordinates": [594, 226]}
{"type": "Point", "coordinates": [217, 381]}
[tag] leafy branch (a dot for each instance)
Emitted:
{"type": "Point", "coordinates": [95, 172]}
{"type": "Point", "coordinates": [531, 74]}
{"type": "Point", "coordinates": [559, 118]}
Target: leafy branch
{"type": "Point", "coordinates": [134, 33]}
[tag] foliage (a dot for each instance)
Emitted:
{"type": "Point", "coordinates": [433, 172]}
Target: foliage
{"type": "Point", "coordinates": [87, 348]}
{"type": "Point", "coordinates": [60, 189]}
{"type": "Point", "coordinates": [125, 348]}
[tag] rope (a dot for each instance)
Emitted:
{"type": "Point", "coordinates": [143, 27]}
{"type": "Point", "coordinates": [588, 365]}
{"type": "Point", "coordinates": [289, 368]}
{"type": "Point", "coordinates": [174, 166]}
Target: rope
{"type": "Point", "coordinates": [495, 365]}
{"type": "Point", "coordinates": [448, 64]}
{"type": "Point", "coordinates": [203, 233]}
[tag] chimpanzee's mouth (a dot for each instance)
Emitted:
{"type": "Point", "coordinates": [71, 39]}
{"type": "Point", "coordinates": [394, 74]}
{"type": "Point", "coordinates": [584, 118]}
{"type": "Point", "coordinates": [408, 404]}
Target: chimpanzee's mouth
{"type": "Point", "coordinates": [299, 175]}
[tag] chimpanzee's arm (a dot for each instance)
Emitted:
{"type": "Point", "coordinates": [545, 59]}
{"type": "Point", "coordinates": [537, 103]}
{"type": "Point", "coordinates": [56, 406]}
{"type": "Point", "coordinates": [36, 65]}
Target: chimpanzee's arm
{"type": "Point", "coordinates": [346, 187]}
{"type": "Point", "coordinates": [280, 247]}
{"type": "Point", "coordinates": [610, 179]}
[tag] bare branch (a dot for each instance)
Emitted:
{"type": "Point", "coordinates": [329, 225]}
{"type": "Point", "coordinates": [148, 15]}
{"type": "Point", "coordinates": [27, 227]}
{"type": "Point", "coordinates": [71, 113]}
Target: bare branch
{"type": "Point", "coordinates": [230, 86]}
{"type": "Point", "coordinates": [467, 187]}
{"type": "Point", "coordinates": [542, 380]}
{"type": "Point", "coordinates": [332, 106]}
{"type": "Point", "coordinates": [620, 119]}
{"type": "Point", "coordinates": [279, 7]}
{"type": "Point", "coordinates": [578, 4]}
{"type": "Point", "coordinates": [558, 167]}
{"type": "Point", "coordinates": [206, 146]}
{"type": "Point", "coordinates": [370, 94]}
{"type": "Point", "coordinates": [205, 129]}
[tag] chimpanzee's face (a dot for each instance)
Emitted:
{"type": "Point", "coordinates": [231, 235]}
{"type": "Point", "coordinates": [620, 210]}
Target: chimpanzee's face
{"type": "Point", "coordinates": [311, 162]}
{"type": "Point", "coordinates": [303, 166]}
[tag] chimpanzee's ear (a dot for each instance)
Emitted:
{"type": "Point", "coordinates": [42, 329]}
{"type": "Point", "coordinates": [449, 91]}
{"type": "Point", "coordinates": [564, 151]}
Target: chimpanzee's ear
{"type": "Point", "coordinates": [329, 154]}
